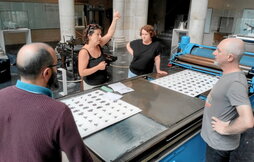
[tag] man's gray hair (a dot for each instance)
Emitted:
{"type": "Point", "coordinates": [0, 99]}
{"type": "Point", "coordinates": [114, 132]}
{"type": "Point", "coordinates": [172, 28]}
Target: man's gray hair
{"type": "Point", "coordinates": [236, 48]}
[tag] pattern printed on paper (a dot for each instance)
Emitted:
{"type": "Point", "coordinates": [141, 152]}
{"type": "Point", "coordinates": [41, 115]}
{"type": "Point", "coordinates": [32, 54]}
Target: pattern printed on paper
{"type": "Point", "coordinates": [92, 112]}
{"type": "Point", "coordinates": [187, 82]}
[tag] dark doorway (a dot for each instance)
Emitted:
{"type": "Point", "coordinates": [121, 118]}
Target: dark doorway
{"type": "Point", "coordinates": [167, 14]}
{"type": "Point", "coordinates": [175, 13]}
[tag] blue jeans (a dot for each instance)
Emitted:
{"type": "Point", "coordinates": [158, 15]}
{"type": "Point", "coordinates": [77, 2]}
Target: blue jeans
{"type": "Point", "coordinates": [131, 74]}
{"type": "Point", "coordinates": [213, 155]}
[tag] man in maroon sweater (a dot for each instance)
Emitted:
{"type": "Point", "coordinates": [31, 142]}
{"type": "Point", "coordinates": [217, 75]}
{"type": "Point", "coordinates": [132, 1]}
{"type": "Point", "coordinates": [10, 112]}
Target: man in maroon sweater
{"type": "Point", "coordinates": [33, 126]}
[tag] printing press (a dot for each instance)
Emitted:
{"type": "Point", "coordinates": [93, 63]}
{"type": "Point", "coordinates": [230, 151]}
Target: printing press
{"type": "Point", "coordinates": [165, 112]}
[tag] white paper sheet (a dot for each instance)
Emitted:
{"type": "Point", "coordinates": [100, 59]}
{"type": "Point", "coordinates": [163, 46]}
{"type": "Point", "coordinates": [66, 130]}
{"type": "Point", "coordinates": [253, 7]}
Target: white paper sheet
{"type": "Point", "coordinates": [93, 112]}
{"type": "Point", "coordinates": [112, 96]}
{"type": "Point", "coordinates": [120, 87]}
{"type": "Point", "coordinates": [187, 82]}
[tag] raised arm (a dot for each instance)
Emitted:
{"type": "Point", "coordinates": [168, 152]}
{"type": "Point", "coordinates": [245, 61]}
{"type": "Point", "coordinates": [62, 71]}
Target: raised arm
{"type": "Point", "coordinates": [111, 29]}
{"type": "Point", "coordinates": [157, 61]}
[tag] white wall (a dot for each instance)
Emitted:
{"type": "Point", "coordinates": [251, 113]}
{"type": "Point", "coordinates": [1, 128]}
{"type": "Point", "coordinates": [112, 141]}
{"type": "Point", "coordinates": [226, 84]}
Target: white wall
{"type": "Point", "coordinates": [226, 8]}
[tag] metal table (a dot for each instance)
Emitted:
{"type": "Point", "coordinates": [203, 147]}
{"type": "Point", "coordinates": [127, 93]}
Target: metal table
{"type": "Point", "coordinates": [163, 113]}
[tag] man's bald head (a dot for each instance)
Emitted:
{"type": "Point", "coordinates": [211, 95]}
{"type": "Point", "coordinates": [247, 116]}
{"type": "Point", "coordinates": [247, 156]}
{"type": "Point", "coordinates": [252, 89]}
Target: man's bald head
{"type": "Point", "coordinates": [32, 58]}
{"type": "Point", "coordinates": [233, 46]}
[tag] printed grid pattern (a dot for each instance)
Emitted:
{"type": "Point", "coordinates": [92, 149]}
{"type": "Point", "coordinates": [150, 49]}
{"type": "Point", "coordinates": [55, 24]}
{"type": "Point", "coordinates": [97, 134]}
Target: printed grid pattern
{"type": "Point", "coordinates": [92, 112]}
{"type": "Point", "coordinates": [187, 82]}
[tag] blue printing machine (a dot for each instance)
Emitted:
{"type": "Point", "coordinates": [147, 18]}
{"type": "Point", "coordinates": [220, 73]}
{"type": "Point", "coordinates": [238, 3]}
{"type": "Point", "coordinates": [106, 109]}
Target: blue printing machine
{"type": "Point", "coordinates": [207, 52]}
{"type": "Point", "coordinates": [193, 149]}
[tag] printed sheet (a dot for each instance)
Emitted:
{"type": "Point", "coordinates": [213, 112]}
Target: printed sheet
{"type": "Point", "coordinates": [93, 112]}
{"type": "Point", "coordinates": [187, 82]}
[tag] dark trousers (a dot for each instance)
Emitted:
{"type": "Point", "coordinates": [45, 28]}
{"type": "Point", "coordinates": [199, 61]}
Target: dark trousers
{"type": "Point", "coordinates": [213, 155]}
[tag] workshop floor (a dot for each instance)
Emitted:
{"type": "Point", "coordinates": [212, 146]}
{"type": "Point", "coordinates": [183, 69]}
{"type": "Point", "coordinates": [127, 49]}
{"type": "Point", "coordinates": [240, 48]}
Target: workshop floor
{"type": "Point", "coordinates": [119, 71]}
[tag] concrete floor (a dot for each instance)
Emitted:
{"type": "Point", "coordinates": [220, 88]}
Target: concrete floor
{"type": "Point", "coordinates": [119, 70]}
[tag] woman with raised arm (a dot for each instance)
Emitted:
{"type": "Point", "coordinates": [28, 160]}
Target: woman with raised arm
{"type": "Point", "coordinates": [91, 62]}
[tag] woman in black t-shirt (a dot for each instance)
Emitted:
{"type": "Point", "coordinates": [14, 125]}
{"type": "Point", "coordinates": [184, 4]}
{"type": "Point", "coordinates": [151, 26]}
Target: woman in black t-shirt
{"type": "Point", "coordinates": [91, 62]}
{"type": "Point", "coordinates": [146, 52]}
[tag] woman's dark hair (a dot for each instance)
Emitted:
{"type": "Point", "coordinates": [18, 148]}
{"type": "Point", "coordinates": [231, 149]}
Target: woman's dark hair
{"type": "Point", "coordinates": [149, 29]}
{"type": "Point", "coordinates": [89, 30]}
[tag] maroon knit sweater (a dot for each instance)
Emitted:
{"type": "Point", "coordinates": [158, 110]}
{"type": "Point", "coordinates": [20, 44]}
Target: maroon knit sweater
{"type": "Point", "coordinates": [35, 128]}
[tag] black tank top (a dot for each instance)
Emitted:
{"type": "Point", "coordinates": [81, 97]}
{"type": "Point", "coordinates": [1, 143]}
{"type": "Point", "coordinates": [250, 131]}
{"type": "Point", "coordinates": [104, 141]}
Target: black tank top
{"type": "Point", "coordinates": [100, 76]}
